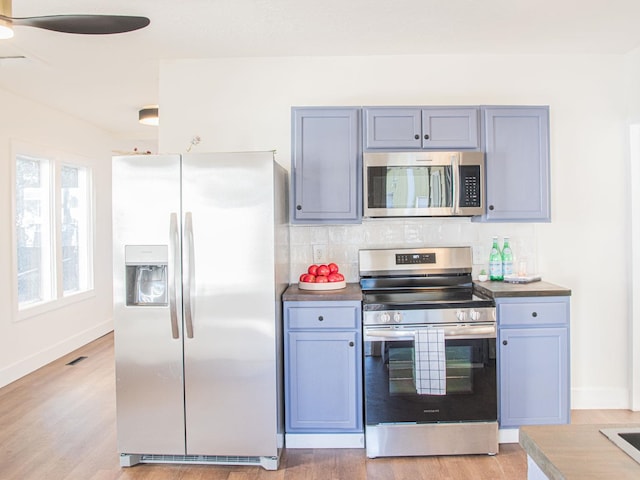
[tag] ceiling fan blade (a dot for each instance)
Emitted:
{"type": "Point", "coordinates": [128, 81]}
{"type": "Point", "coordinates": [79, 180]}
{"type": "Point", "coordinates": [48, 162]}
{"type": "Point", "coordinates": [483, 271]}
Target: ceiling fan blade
{"type": "Point", "coordinates": [82, 24]}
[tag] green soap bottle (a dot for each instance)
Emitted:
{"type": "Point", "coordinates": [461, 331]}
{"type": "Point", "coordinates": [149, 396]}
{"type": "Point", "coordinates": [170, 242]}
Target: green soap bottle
{"type": "Point", "coordinates": [507, 258]}
{"type": "Point", "coordinates": [495, 262]}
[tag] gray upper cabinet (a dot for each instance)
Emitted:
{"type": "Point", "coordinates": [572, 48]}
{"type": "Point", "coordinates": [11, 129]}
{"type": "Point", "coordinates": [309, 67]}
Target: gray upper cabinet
{"type": "Point", "coordinates": [516, 142]}
{"type": "Point", "coordinates": [326, 165]}
{"type": "Point", "coordinates": [417, 128]}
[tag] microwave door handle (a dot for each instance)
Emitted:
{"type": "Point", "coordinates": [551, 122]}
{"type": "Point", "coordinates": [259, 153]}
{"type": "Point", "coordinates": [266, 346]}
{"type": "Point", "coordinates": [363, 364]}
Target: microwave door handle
{"type": "Point", "coordinates": [455, 181]}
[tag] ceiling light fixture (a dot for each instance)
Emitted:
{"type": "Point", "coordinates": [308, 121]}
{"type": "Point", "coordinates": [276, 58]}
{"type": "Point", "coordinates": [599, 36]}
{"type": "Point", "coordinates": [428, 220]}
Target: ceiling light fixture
{"type": "Point", "coordinates": [5, 31]}
{"type": "Point", "coordinates": [5, 26]}
{"type": "Point", "coordinates": [149, 116]}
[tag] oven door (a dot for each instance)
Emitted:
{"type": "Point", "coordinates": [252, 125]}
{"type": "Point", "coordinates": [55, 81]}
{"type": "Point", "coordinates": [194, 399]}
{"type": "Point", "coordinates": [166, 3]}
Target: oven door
{"type": "Point", "coordinates": [391, 395]}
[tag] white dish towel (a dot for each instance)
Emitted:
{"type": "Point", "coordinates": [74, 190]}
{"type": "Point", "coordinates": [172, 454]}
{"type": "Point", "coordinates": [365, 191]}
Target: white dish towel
{"type": "Point", "coordinates": [430, 363]}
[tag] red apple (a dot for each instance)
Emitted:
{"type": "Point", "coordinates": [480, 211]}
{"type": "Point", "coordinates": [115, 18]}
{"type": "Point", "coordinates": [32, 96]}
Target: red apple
{"type": "Point", "coordinates": [323, 270]}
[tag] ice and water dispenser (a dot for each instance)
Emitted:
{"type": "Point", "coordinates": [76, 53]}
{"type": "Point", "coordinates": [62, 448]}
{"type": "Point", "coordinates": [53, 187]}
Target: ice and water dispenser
{"type": "Point", "coordinates": [146, 275]}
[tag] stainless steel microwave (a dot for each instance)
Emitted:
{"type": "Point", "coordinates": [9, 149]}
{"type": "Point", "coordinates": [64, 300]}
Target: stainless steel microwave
{"type": "Point", "coordinates": [423, 184]}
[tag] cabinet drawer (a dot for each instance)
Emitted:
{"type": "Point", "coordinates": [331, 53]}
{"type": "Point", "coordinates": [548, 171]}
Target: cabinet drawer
{"type": "Point", "coordinates": [556, 313]}
{"type": "Point", "coordinates": [324, 317]}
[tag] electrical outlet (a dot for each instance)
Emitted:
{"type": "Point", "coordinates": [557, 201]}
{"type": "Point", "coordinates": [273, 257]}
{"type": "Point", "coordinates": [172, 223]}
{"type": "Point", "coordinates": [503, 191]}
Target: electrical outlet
{"type": "Point", "coordinates": [319, 253]}
{"type": "Point", "coordinates": [477, 253]}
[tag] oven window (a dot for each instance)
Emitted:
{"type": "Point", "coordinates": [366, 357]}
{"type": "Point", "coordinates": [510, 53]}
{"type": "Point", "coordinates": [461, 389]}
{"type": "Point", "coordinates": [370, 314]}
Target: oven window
{"type": "Point", "coordinates": [409, 187]}
{"type": "Point", "coordinates": [390, 383]}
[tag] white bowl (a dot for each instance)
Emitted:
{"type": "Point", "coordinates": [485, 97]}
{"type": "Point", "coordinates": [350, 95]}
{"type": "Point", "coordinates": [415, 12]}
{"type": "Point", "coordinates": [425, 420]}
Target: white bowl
{"type": "Point", "coordinates": [321, 286]}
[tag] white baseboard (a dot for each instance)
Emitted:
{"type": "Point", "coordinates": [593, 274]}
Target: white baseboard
{"type": "Point", "coordinates": [324, 440]}
{"type": "Point", "coordinates": [29, 364]}
{"type": "Point", "coordinates": [508, 435]}
{"type": "Point", "coordinates": [600, 399]}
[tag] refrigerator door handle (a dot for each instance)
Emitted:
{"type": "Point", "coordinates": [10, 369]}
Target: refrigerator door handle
{"type": "Point", "coordinates": [189, 274]}
{"type": "Point", "coordinates": [173, 265]}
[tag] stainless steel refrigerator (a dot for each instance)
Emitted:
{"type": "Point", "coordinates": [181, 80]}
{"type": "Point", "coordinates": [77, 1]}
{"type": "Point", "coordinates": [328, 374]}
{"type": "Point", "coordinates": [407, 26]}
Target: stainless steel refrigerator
{"type": "Point", "coordinates": [200, 260]}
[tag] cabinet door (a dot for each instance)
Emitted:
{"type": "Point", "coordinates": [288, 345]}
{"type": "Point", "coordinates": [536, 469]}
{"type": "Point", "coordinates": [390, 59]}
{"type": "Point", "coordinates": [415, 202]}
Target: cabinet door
{"type": "Point", "coordinates": [321, 382]}
{"type": "Point", "coordinates": [534, 376]}
{"type": "Point", "coordinates": [450, 128]}
{"type": "Point", "coordinates": [326, 162]}
{"type": "Point", "coordinates": [517, 155]}
{"type": "Point", "coordinates": [393, 128]}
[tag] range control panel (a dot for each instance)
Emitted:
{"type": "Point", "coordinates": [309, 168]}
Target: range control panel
{"type": "Point", "coordinates": [415, 258]}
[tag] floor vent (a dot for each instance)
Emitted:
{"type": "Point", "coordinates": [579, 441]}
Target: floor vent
{"type": "Point", "coordinates": [268, 463]}
{"type": "Point", "coordinates": [201, 459]}
{"type": "Point", "coordinates": [73, 362]}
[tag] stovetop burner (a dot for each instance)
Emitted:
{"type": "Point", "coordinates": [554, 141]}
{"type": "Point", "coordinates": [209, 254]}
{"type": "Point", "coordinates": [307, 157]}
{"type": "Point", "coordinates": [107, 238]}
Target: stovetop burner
{"type": "Point", "coordinates": [411, 300]}
{"type": "Point", "coordinates": [418, 279]}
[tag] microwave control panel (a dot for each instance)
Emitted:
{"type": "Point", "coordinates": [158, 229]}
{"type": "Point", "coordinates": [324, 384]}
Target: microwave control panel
{"type": "Point", "coordinates": [470, 186]}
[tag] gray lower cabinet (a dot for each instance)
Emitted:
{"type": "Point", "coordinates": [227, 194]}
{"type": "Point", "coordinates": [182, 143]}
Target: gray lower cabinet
{"type": "Point", "coordinates": [323, 373]}
{"type": "Point", "coordinates": [417, 128]}
{"type": "Point", "coordinates": [516, 142]}
{"type": "Point", "coordinates": [533, 361]}
{"type": "Point", "coordinates": [326, 165]}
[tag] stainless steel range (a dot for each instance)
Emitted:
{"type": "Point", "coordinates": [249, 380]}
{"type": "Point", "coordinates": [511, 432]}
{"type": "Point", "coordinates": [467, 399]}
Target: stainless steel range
{"type": "Point", "coordinates": [429, 354]}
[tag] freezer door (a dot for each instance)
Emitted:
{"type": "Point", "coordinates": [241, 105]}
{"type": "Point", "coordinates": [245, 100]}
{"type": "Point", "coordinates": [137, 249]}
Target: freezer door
{"type": "Point", "coordinates": [147, 299]}
{"type": "Point", "coordinates": [229, 302]}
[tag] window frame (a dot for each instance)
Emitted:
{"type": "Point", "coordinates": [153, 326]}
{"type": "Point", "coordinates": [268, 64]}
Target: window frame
{"type": "Point", "coordinates": [57, 160]}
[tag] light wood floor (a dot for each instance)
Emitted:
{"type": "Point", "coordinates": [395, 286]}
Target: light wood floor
{"type": "Point", "coordinates": [59, 424]}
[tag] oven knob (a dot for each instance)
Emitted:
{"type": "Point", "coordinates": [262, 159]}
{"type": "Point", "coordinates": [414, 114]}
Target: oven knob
{"type": "Point", "coordinates": [397, 317]}
{"type": "Point", "coordinates": [461, 315]}
{"type": "Point", "coordinates": [475, 315]}
{"type": "Point", "coordinates": [385, 317]}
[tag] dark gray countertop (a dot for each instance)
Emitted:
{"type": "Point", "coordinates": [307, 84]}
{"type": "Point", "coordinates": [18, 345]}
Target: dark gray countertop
{"type": "Point", "coordinates": [533, 289]}
{"type": "Point", "coordinates": [351, 292]}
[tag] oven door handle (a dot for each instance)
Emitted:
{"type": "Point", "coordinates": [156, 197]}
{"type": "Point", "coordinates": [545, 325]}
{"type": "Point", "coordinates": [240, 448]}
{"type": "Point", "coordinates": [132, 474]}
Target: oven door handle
{"type": "Point", "coordinates": [455, 331]}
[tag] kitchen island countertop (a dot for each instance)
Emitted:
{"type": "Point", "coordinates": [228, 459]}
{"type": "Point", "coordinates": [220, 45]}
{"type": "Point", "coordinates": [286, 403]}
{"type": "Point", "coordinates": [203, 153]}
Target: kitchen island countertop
{"type": "Point", "coordinates": [577, 452]}
{"type": "Point", "coordinates": [295, 294]}
{"type": "Point", "coordinates": [533, 289]}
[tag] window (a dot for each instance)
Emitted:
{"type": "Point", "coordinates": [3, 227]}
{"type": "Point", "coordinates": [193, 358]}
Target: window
{"type": "Point", "coordinates": [33, 230]}
{"type": "Point", "coordinates": [53, 229]}
{"type": "Point", "coordinates": [75, 229]}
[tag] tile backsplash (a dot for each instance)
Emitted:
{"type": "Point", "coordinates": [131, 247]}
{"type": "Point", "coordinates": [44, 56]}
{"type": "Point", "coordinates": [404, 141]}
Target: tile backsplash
{"type": "Point", "coordinates": [340, 243]}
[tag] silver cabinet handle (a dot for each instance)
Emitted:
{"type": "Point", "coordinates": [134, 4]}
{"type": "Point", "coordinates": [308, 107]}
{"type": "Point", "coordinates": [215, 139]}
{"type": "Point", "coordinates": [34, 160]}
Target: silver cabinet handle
{"type": "Point", "coordinates": [173, 273]}
{"type": "Point", "coordinates": [189, 274]}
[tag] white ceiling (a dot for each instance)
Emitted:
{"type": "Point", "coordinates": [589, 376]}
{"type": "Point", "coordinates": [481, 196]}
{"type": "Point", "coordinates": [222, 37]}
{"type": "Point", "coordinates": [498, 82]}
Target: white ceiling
{"type": "Point", "coordinates": [106, 79]}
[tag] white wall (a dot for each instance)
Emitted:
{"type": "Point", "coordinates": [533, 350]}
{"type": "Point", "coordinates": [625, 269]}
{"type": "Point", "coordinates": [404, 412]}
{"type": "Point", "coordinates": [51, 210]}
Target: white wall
{"type": "Point", "coordinates": [244, 104]}
{"type": "Point", "coordinates": [633, 81]}
{"type": "Point", "coordinates": [32, 342]}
